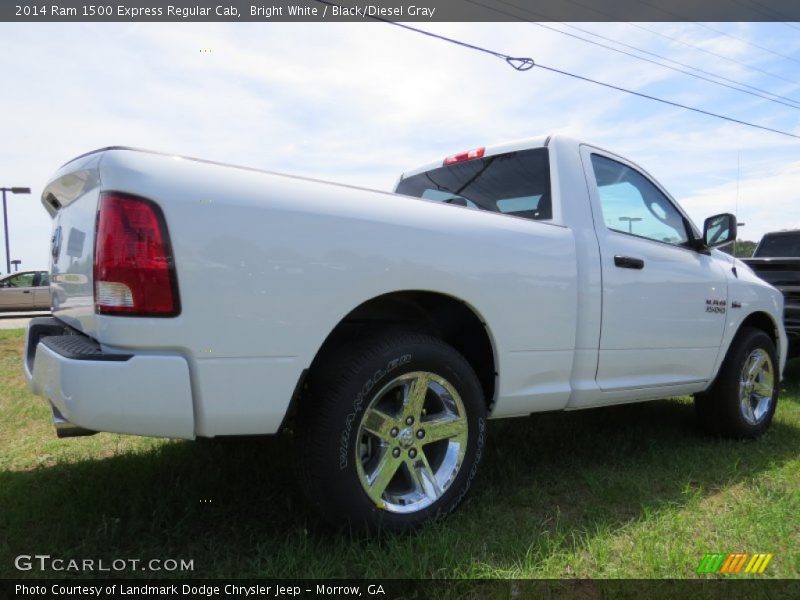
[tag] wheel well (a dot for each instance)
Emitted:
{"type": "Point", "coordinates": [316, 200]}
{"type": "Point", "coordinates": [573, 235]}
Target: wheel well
{"type": "Point", "coordinates": [762, 321]}
{"type": "Point", "coordinates": [445, 317]}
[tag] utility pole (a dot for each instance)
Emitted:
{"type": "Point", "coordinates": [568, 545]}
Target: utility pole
{"type": "Point", "coordinates": [13, 190]}
{"type": "Point", "coordinates": [738, 177]}
{"type": "Point", "coordinates": [631, 221]}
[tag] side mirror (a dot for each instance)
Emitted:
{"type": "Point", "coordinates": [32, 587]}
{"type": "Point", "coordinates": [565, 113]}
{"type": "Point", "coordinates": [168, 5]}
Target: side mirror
{"type": "Point", "coordinates": [719, 230]}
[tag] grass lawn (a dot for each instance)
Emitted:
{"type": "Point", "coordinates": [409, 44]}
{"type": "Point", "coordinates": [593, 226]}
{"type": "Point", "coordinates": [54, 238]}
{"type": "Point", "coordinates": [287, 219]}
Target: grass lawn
{"type": "Point", "coordinates": [631, 491]}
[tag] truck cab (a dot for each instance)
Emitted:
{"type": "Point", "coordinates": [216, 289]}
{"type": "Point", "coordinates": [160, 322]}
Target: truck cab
{"type": "Point", "coordinates": [776, 260]}
{"type": "Point", "coordinates": [657, 306]}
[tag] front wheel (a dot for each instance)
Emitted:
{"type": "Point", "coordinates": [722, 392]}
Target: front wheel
{"type": "Point", "coordinates": [742, 400]}
{"type": "Point", "coordinates": [390, 433]}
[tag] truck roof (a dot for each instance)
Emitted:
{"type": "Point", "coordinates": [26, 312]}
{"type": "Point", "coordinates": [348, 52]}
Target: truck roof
{"type": "Point", "coordinates": [492, 150]}
{"type": "Point", "coordinates": [782, 232]}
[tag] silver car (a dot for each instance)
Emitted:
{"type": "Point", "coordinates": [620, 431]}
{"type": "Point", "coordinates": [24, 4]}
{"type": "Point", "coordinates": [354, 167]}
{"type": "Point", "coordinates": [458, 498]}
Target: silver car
{"type": "Point", "coordinates": [28, 290]}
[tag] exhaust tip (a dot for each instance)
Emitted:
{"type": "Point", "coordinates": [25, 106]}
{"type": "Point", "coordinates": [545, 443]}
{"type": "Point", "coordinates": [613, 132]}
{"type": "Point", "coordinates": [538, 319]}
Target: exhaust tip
{"type": "Point", "coordinates": [65, 429]}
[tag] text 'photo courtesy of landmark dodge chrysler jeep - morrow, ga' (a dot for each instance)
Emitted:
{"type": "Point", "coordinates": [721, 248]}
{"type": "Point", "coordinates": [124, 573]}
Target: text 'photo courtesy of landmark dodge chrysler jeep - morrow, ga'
{"type": "Point", "coordinates": [195, 299]}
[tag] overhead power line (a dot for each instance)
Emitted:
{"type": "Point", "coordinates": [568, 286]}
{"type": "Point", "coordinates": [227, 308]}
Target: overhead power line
{"type": "Point", "coordinates": [712, 53]}
{"type": "Point", "coordinates": [748, 42]}
{"type": "Point", "coordinates": [682, 64]}
{"type": "Point", "coordinates": [739, 87]}
{"type": "Point", "coordinates": [687, 44]}
{"type": "Point", "coordinates": [525, 64]}
{"type": "Point", "coordinates": [768, 11]}
{"type": "Point", "coordinates": [681, 17]}
{"type": "Point", "coordinates": [637, 49]}
{"type": "Point", "coordinates": [670, 102]}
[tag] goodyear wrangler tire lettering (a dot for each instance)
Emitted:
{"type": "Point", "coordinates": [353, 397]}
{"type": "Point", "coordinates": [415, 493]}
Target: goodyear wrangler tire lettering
{"type": "Point", "coordinates": [357, 403]}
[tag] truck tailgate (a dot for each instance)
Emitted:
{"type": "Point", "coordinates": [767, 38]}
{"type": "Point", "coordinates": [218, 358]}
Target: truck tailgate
{"type": "Point", "coordinates": [71, 199]}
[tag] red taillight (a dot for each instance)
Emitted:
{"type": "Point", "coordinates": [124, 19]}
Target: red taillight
{"type": "Point", "coordinates": [134, 273]}
{"type": "Point", "coordinates": [462, 156]}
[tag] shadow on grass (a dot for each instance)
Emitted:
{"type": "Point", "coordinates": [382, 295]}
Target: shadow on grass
{"type": "Point", "coordinates": [231, 505]}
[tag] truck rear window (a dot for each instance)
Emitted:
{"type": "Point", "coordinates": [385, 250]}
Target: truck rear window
{"type": "Point", "coordinates": [516, 183]}
{"type": "Point", "coordinates": [781, 245]}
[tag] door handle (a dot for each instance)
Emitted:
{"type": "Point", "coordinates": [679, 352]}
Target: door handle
{"type": "Point", "coordinates": [26, 291]}
{"type": "Point", "coordinates": [628, 262]}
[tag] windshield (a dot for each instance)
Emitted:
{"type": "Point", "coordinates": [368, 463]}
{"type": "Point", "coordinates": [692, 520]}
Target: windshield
{"type": "Point", "coordinates": [517, 183]}
{"type": "Point", "coordinates": [779, 245]}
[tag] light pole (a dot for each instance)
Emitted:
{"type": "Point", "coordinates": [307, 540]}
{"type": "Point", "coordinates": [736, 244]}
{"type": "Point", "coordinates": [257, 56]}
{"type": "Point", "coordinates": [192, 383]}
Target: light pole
{"type": "Point", "coordinates": [16, 264]}
{"type": "Point", "coordinates": [13, 190]}
{"type": "Point", "coordinates": [631, 221]}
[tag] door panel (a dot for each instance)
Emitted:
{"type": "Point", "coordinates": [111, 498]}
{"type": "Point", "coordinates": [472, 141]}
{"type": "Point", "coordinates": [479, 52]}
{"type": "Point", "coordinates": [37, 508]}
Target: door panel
{"type": "Point", "coordinates": [41, 298]}
{"type": "Point", "coordinates": [656, 330]}
{"type": "Point", "coordinates": [16, 298]}
{"type": "Point", "coordinates": [41, 295]}
{"type": "Point", "coordinates": [655, 327]}
{"type": "Point", "coordinates": [17, 294]}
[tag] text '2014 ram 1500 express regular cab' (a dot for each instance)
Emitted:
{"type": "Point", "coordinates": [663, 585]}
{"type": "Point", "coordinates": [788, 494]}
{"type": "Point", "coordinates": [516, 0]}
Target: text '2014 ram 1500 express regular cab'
{"type": "Point", "coordinates": [193, 299]}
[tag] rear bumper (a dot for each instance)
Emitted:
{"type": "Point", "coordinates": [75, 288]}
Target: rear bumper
{"type": "Point", "coordinates": [96, 390]}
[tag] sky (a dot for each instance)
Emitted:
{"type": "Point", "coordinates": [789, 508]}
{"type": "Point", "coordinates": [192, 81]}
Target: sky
{"type": "Point", "coordinates": [359, 103]}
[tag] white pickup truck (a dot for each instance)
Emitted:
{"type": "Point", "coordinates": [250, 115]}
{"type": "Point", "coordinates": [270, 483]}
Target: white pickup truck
{"type": "Point", "coordinates": [195, 299]}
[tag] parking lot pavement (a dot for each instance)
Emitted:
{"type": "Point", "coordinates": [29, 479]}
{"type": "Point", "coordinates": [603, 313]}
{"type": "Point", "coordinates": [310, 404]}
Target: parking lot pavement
{"type": "Point", "coordinates": [18, 320]}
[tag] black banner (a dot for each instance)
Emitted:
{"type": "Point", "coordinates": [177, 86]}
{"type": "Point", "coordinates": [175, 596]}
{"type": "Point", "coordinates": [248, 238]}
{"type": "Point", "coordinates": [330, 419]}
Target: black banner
{"type": "Point", "coordinates": [398, 10]}
{"type": "Point", "coordinates": [391, 589]}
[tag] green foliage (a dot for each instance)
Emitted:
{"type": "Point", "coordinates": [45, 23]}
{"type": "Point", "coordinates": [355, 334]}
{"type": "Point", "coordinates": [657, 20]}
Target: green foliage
{"type": "Point", "coordinates": [744, 248]}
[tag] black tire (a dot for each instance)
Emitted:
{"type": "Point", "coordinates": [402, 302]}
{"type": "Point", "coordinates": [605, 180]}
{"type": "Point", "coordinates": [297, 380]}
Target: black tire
{"type": "Point", "coordinates": [340, 391]}
{"type": "Point", "coordinates": [720, 408]}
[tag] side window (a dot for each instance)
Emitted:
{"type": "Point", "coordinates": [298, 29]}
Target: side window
{"type": "Point", "coordinates": [632, 204]}
{"type": "Point", "coordinates": [523, 205]}
{"type": "Point", "coordinates": [44, 279]}
{"type": "Point", "coordinates": [21, 280]}
{"type": "Point", "coordinates": [447, 198]}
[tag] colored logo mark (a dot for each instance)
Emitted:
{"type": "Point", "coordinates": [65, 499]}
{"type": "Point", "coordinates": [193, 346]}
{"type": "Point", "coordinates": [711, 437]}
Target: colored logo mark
{"type": "Point", "coordinates": [734, 562]}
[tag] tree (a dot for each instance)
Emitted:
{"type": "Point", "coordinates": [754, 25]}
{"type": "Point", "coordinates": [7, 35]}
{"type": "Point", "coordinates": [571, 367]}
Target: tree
{"type": "Point", "coordinates": [744, 248]}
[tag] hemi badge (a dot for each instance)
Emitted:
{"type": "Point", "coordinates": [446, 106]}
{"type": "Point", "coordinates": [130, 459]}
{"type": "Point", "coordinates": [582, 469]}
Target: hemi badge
{"type": "Point", "coordinates": [736, 304]}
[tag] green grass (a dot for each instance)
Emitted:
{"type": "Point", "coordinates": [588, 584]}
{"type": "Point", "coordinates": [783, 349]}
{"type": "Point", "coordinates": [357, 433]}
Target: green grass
{"type": "Point", "coordinates": [630, 491]}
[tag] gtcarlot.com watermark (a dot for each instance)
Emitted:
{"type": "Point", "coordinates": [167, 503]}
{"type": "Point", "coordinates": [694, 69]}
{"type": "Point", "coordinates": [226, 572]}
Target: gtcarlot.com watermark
{"type": "Point", "coordinates": [48, 563]}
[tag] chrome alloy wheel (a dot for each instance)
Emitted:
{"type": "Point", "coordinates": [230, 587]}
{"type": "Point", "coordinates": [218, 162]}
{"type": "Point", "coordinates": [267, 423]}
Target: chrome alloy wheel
{"type": "Point", "coordinates": [411, 442]}
{"type": "Point", "coordinates": [756, 386]}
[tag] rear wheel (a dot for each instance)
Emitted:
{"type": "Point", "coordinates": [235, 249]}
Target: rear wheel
{"type": "Point", "coordinates": [742, 400]}
{"type": "Point", "coordinates": [390, 433]}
